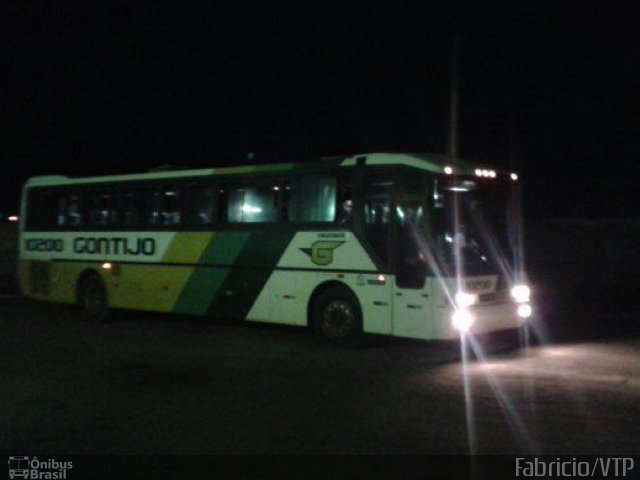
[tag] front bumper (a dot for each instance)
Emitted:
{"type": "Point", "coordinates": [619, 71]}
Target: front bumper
{"type": "Point", "coordinates": [487, 318]}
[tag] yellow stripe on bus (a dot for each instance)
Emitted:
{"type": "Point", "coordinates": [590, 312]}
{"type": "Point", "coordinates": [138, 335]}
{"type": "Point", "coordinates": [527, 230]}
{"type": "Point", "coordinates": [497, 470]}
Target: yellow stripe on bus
{"type": "Point", "coordinates": [187, 247]}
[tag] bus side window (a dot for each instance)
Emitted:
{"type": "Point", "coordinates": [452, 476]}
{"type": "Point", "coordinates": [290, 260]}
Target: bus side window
{"type": "Point", "coordinates": [286, 206]}
{"type": "Point", "coordinates": [131, 209]}
{"type": "Point", "coordinates": [171, 206]}
{"type": "Point", "coordinates": [101, 208]}
{"type": "Point", "coordinates": [75, 211]}
{"type": "Point", "coordinates": [223, 204]}
{"type": "Point", "coordinates": [61, 217]}
{"type": "Point", "coordinates": [252, 204]}
{"type": "Point", "coordinates": [153, 206]}
{"type": "Point", "coordinates": [42, 209]}
{"type": "Point", "coordinates": [311, 199]}
{"type": "Point", "coordinates": [276, 197]}
{"type": "Point", "coordinates": [200, 208]}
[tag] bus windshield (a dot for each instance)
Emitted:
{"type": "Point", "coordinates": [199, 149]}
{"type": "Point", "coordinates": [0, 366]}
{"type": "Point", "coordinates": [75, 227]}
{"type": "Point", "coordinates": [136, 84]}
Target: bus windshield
{"type": "Point", "coordinates": [475, 222]}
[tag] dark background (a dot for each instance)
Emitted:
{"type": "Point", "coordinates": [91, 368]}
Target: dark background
{"type": "Point", "coordinates": [547, 87]}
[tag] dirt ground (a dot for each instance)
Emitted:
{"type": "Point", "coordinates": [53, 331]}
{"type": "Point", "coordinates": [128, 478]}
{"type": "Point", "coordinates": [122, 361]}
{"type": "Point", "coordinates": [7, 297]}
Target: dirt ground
{"type": "Point", "coordinates": [156, 384]}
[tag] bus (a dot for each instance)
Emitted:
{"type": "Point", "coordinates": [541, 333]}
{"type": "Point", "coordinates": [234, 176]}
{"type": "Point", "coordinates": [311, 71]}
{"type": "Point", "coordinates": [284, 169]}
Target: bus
{"type": "Point", "coordinates": [18, 467]}
{"type": "Point", "coordinates": [407, 245]}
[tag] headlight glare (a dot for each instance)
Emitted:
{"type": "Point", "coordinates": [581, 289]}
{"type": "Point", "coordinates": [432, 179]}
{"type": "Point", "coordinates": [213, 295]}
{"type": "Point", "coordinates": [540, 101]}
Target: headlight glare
{"type": "Point", "coordinates": [464, 299]}
{"type": "Point", "coordinates": [462, 320]}
{"type": "Point", "coordinates": [521, 293]}
{"type": "Point", "coordinates": [525, 310]}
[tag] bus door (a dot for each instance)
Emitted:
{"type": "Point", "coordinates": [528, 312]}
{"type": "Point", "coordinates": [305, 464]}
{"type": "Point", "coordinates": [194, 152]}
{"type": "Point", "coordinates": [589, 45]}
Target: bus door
{"type": "Point", "coordinates": [412, 308]}
{"type": "Point", "coordinates": [378, 228]}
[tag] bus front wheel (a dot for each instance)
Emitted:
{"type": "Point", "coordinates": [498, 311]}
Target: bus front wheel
{"type": "Point", "coordinates": [93, 298]}
{"type": "Point", "coordinates": [336, 315]}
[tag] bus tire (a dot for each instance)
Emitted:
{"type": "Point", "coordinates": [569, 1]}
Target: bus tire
{"type": "Point", "coordinates": [93, 299]}
{"type": "Point", "coordinates": [336, 315]}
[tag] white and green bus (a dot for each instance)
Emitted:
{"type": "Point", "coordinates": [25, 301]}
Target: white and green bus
{"type": "Point", "coordinates": [408, 245]}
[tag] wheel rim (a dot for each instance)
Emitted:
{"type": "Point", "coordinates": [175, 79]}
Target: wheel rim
{"type": "Point", "coordinates": [338, 318]}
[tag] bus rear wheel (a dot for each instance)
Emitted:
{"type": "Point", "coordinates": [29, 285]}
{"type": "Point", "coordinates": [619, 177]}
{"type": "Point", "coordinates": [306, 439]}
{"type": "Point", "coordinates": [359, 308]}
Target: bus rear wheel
{"type": "Point", "coordinates": [336, 316]}
{"type": "Point", "coordinates": [93, 299]}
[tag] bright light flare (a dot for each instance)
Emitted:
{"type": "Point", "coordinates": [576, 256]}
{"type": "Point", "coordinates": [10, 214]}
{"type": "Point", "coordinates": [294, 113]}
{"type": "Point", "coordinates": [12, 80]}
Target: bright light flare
{"type": "Point", "coordinates": [464, 299]}
{"type": "Point", "coordinates": [462, 320]}
{"type": "Point", "coordinates": [501, 394]}
{"type": "Point", "coordinates": [107, 265]}
{"type": "Point", "coordinates": [514, 176]}
{"type": "Point", "coordinates": [525, 310]}
{"type": "Point", "coordinates": [521, 293]}
{"type": "Point", "coordinates": [485, 173]}
{"type": "Point", "coordinates": [13, 218]}
{"type": "Point", "coordinates": [448, 170]}
{"type": "Point", "coordinates": [251, 209]}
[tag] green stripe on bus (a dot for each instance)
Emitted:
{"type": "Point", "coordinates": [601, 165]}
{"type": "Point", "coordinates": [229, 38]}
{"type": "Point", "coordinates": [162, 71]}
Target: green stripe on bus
{"type": "Point", "coordinates": [201, 286]}
{"type": "Point", "coordinates": [263, 250]}
{"type": "Point", "coordinates": [204, 283]}
{"type": "Point", "coordinates": [238, 292]}
{"type": "Point", "coordinates": [223, 248]}
{"type": "Point", "coordinates": [254, 266]}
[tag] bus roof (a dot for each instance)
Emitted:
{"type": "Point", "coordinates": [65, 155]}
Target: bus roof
{"type": "Point", "coordinates": [435, 163]}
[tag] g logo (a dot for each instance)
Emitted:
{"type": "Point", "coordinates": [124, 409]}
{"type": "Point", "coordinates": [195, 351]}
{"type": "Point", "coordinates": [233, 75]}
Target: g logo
{"type": "Point", "coordinates": [321, 252]}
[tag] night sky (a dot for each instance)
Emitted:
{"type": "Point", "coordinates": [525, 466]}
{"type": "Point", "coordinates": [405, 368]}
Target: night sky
{"type": "Point", "coordinates": [550, 87]}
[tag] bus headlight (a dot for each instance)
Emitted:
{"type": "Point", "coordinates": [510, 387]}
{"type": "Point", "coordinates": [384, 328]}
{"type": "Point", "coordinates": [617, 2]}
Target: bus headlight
{"type": "Point", "coordinates": [525, 310]}
{"type": "Point", "coordinates": [521, 293]}
{"type": "Point", "coordinates": [462, 320]}
{"type": "Point", "coordinates": [464, 299]}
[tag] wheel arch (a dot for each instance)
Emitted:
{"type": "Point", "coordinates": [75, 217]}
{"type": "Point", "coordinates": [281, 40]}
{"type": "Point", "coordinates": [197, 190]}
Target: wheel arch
{"type": "Point", "coordinates": [86, 273]}
{"type": "Point", "coordinates": [324, 286]}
